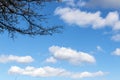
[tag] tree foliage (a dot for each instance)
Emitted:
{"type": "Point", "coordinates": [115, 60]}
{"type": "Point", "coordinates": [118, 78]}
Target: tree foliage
{"type": "Point", "coordinates": [13, 13]}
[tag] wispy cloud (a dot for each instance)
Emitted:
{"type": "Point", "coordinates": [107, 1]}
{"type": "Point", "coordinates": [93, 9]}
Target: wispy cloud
{"type": "Point", "coordinates": [116, 37]}
{"type": "Point", "coordinates": [13, 58]}
{"type": "Point", "coordinates": [71, 55]}
{"type": "Point", "coordinates": [99, 48]}
{"type": "Point", "coordinates": [48, 71]}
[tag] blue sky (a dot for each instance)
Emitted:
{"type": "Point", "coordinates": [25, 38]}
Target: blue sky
{"type": "Point", "coordinates": [87, 49]}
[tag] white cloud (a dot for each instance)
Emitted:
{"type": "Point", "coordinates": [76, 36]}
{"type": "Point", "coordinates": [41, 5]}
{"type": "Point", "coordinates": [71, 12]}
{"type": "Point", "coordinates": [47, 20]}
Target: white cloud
{"type": "Point", "coordinates": [116, 37]}
{"type": "Point", "coordinates": [82, 18]}
{"type": "Point", "coordinates": [13, 58]}
{"type": "Point", "coordinates": [75, 16]}
{"type": "Point", "coordinates": [117, 26]}
{"type": "Point", "coordinates": [71, 55]}
{"type": "Point", "coordinates": [51, 60]}
{"type": "Point", "coordinates": [88, 74]}
{"type": "Point", "coordinates": [116, 52]}
{"type": "Point", "coordinates": [52, 72]}
{"type": "Point", "coordinates": [39, 72]}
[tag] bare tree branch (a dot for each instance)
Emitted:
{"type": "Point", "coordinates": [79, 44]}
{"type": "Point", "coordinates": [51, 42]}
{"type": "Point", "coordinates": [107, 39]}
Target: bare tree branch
{"type": "Point", "coordinates": [13, 11]}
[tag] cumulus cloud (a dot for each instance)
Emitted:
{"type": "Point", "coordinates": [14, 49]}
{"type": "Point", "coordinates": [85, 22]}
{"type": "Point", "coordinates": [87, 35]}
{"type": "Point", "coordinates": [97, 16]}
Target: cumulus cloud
{"type": "Point", "coordinates": [71, 55]}
{"type": "Point", "coordinates": [13, 58]}
{"type": "Point", "coordinates": [39, 72]}
{"type": "Point", "coordinates": [116, 52]}
{"type": "Point", "coordinates": [52, 72]}
{"type": "Point", "coordinates": [116, 37]}
{"type": "Point", "coordinates": [80, 18]}
{"type": "Point", "coordinates": [51, 60]}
